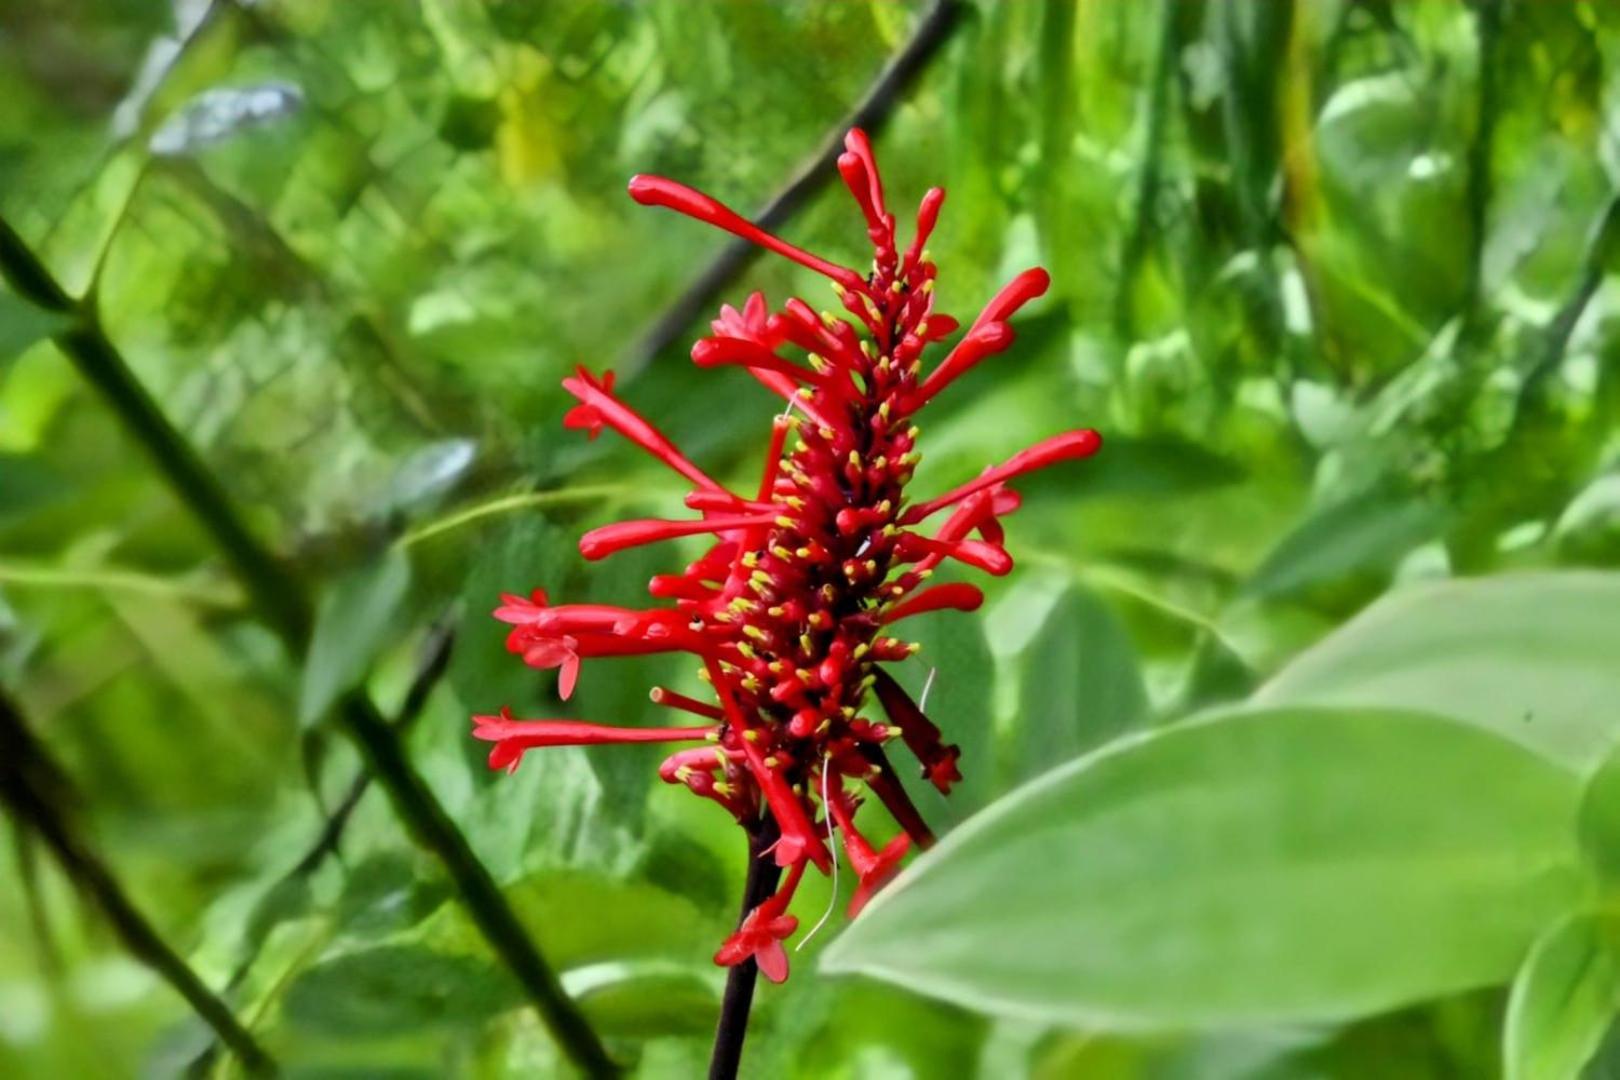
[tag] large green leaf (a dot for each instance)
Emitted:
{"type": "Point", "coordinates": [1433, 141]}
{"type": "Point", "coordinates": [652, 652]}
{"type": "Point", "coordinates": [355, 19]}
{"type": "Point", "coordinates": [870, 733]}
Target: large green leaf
{"type": "Point", "coordinates": [1269, 865]}
{"type": "Point", "coordinates": [1529, 656]}
{"type": "Point", "coordinates": [1564, 999]}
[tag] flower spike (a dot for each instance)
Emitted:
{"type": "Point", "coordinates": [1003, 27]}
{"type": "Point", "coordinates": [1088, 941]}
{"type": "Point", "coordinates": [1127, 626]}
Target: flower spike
{"type": "Point", "coordinates": [790, 610]}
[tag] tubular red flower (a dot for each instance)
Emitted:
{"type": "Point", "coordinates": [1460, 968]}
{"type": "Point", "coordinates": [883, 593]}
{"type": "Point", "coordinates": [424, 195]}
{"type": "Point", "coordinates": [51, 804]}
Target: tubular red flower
{"type": "Point", "coordinates": [981, 341]}
{"type": "Point", "coordinates": [657, 191]}
{"type": "Point", "coordinates": [958, 595]}
{"type": "Point", "coordinates": [598, 406]}
{"type": "Point", "coordinates": [602, 542]}
{"type": "Point", "coordinates": [513, 737]}
{"type": "Point", "coordinates": [1065, 447]}
{"type": "Point", "coordinates": [710, 352]}
{"type": "Point", "coordinates": [788, 609]}
{"type": "Point", "coordinates": [1030, 285]}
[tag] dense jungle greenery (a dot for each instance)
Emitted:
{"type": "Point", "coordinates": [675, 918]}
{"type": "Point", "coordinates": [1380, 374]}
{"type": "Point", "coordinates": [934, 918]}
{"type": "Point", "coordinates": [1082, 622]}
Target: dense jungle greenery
{"type": "Point", "coordinates": [290, 287]}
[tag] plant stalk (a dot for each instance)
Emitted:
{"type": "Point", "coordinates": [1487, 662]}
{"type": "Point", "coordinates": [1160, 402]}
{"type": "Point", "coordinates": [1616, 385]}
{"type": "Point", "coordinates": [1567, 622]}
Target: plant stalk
{"type": "Point", "coordinates": [37, 793]}
{"type": "Point", "coordinates": [738, 1001]}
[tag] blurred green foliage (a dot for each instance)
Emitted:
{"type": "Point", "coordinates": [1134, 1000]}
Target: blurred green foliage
{"type": "Point", "coordinates": [1334, 279]}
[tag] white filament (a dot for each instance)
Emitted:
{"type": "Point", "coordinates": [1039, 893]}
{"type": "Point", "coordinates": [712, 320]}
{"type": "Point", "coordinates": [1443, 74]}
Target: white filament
{"type": "Point", "coordinates": [832, 901]}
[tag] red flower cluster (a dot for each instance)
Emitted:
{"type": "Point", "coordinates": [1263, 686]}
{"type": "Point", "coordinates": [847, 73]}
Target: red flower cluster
{"type": "Point", "coordinates": [791, 610]}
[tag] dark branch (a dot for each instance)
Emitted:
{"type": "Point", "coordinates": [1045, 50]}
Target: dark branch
{"type": "Point", "coordinates": [37, 793]}
{"type": "Point", "coordinates": [741, 979]}
{"type": "Point", "coordinates": [869, 113]}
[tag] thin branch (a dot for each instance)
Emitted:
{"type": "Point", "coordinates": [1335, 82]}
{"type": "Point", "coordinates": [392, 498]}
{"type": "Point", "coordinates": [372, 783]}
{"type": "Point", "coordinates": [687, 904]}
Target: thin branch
{"type": "Point", "coordinates": [37, 793]}
{"type": "Point", "coordinates": [870, 113]}
{"type": "Point", "coordinates": [1555, 340]}
{"type": "Point", "coordinates": [741, 979]}
{"type": "Point", "coordinates": [281, 598]}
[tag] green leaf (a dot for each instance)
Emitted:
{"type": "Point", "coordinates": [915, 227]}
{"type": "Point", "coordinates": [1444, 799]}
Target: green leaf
{"type": "Point", "coordinates": [1563, 1000]}
{"type": "Point", "coordinates": [1529, 656]}
{"type": "Point", "coordinates": [22, 324]}
{"type": "Point", "coordinates": [1081, 684]}
{"type": "Point", "coordinates": [957, 658]}
{"type": "Point", "coordinates": [1253, 866]}
{"type": "Point", "coordinates": [1367, 532]}
{"type": "Point", "coordinates": [398, 988]}
{"type": "Point", "coordinates": [358, 616]}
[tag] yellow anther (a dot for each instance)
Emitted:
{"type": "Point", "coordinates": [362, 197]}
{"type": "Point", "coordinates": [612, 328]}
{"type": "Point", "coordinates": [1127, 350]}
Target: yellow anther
{"type": "Point", "coordinates": [746, 649]}
{"type": "Point", "coordinates": [750, 630]}
{"type": "Point", "coordinates": [860, 650]}
{"type": "Point", "coordinates": [806, 644]}
{"type": "Point", "coordinates": [784, 521]}
{"type": "Point", "coordinates": [751, 735]}
{"type": "Point", "coordinates": [683, 772]}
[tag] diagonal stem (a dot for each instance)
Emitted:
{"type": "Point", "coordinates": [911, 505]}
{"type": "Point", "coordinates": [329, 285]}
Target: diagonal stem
{"type": "Point", "coordinates": [284, 603]}
{"type": "Point", "coordinates": [874, 107]}
{"type": "Point", "coordinates": [36, 792]}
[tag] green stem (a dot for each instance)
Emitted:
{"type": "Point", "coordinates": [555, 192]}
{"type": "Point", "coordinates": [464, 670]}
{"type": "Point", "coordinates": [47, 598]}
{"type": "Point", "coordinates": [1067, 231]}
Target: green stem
{"type": "Point", "coordinates": [35, 790]}
{"type": "Point", "coordinates": [283, 601]}
{"type": "Point", "coordinates": [1147, 189]}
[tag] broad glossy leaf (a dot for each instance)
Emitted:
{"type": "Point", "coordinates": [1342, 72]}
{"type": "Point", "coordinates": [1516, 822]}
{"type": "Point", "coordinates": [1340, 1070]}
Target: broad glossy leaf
{"type": "Point", "coordinates": [1254, 866]}
{"type": "Point", "coordinates": [1564, 999]}
{"type": "Point", "coordinates": [1529, 656]}
{"type": "Point", "coordinates": [358, 617]}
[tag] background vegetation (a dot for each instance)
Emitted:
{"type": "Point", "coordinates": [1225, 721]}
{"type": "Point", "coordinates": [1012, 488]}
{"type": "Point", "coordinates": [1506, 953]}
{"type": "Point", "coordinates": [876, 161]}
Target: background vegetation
{"type": "Point", "coordinates": [1332, 277]}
